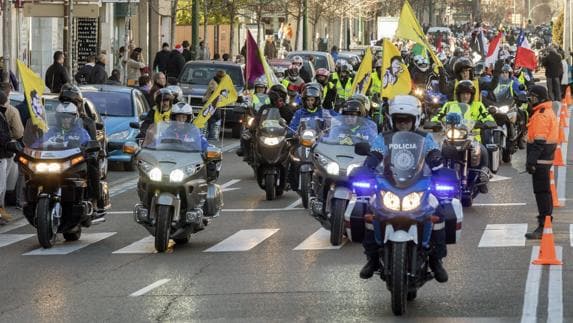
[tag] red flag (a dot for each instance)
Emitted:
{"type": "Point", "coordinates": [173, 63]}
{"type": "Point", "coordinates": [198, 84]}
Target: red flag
{"type": "Point", "coordinates": [439, 44]}
{"type": "Point", "coordinates": [493, 50]}
{"type": "Point", "coordinates": [525, 57]}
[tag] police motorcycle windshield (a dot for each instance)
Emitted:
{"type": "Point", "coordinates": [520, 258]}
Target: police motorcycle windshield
{"type": "Point", "coordinates": [269, 125]}
{"type": "Point", "coordinates": [173, 136]}
{"type": "Point", "coordinates": [404, 163]}
{"type": "Point", "coordinates": [349, 130]}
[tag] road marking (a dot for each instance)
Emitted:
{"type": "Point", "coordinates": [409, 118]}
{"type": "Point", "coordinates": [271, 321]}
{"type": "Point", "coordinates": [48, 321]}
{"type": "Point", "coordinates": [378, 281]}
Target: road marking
{"type": "Point", "coordinates": [231, 146]}
{"type": "Point", "coordinates": [145, 245]}
{"type": "Point", "coordinates": [294, 204]}
{"type": "Point", "coordinates": [8, 239]}
{"type": "Point", "coordinates": [531, 295]}
{"type": "Point", "coordinates": [64, 248]}
{"type": "Point", "coordinates": [555, 292]}
{"type": "Point", "coordinates": [503, 235]}
{"type": "Point", "coordinates": [230, 183]}
{"type": "Point", "coordinates": [498, 178]}
{"type": "Point", "coordinates": [124, 187]}
{"type": "Point", "coordinates": [243, 240]}
{"type": "Point", "coordinates": [571, 234]}
{"type": "Point", "coordinates": [500, 204]}
{"type": "Point", "coordinates": [320, 240]}
{"type": "Point", "coordinates": [13, 225]}
{"type": "Point", "coordinates": [262, 210]}
{"type": "Point", "coordinates": [149, 288]}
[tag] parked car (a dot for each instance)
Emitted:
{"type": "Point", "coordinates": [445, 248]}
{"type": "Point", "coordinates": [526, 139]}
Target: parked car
{"type": "Point", "coordinates": [118, 106]}
{"type": "Point", "coordinates": [321, 59]}
{"type": "Point", "coordinates": [194, 80]}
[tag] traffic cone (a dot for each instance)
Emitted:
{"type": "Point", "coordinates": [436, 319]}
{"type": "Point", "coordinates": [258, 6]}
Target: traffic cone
{"type": "Point", "coordinates": [561, 135]}
{"type": "Point", "coordinates": [568, 98]}
{"type": "Point", "coordinates": [553, 189]}
{"type": "Point", "coordinates": [547, 251]}
{"type": "Point", "coordinates": [563, 116]}
{"type": "Point", "coordinates": [558, 159]}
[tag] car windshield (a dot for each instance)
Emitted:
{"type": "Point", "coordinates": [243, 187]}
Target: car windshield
{"type": "Point", "coordinates": [202, 74]}
{"type": "Point", "coordinates": [173, 136]}
{"type": "Point", "coordinates": [112, 104]}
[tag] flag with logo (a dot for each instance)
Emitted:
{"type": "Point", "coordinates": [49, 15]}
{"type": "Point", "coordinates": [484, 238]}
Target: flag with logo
{"type": "Point", "coordinates": [33, 90]}
{"type": "Point", "coordinates": [363, 77]}
{"type": "Point", "coordinates": [224, 94]}
{"type": "Point", "coordinates": [396, 79]}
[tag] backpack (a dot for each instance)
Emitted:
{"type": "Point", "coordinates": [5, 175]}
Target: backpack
{"type": "Point", "coordinates": [5, 137]}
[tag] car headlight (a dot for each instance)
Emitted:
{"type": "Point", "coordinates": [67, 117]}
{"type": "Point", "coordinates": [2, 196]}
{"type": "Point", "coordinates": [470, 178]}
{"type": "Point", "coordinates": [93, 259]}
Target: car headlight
{"type": "Point", "coordinates": [503, 109]}
{"type": "Point", "coordinates": [332, 168]}
{"type": "Point", "coordinates": [155, 174]}
{"type": "Point", "coordinates": [391, 201]}
{"type": "Point", "coordinates": [176, 176]}
{"type": "Point", "coordinates": [351, 167]}
{"type": "Point", "coordinates": [271, 141]}
{"type": "Point", "coordinates": [456, 134]}
{"type": "Point", "coordinates": [122, 135]}
{"type": "Point", "coordinates": [411, 201]}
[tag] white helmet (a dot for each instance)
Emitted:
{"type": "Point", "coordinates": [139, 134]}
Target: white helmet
{"type": "Point", "coordinates": [66, 110]}
{"type": "Point", "coordinates": [405, 105]}
{"type": "Point", "coordinates": [297, 60]}
{"type": "Point", "coordinates": [176, 91]}
{"type": "Point", "coordinates": [182, 108]}
{"type": "Point", "coordinates": [421, 63]}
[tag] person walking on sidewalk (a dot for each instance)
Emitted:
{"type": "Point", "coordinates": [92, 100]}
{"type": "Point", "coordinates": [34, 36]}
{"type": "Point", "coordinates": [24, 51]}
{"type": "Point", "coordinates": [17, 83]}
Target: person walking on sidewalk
{"type": "Point", "coordinates": [5, 155]}
{"type": "Point", "coordinates": [542, 140]}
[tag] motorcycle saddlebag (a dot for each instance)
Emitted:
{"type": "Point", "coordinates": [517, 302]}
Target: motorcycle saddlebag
{"type": "Point", "coordinates": [453, 215]}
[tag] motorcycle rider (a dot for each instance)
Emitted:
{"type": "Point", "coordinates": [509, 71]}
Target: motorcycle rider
{"type": "Point", "coordinates": [405, 116]}
{"type": "Point", "coordinates": [260, 96]}
{"type": "Point", "coordinates": [376, 82]}
{"type": "Point", "coordinates": [160, 112]}
{"type": "Point", "coordinates": [353, 110]}
{"type": "Point", "coordinates": [293, 78]}
{"type": "Point", "coordinates": [328, 88]}
{"type": "Point", "coordinates": [278, 99]}
{"type": "Point", "coordinates": [182, 113]}
{"type": "Point", "coordinates": [311, 106]}
{"type": "Point", "coordinates": [344, 83]}
{"type": "Point", "coordinates": [463, 70]}
{"type": "Point", "coordinates": [304, 74]}
{"type": "Point", "coordinates": [420, 71]}
{"type": "Point", "coordinates": [67, 128]}
{"type": "Point", "coordinates": [466, 93]}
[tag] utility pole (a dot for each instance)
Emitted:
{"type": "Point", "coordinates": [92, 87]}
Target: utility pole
{"type": "Point", "coordinates": [304, 24]}
{"type": "Point", "coordinates": [194, 28]}
{"type": "Point", "coordinates": [69, 27]}
{"type": "Point", "coordinates": [7, 40]}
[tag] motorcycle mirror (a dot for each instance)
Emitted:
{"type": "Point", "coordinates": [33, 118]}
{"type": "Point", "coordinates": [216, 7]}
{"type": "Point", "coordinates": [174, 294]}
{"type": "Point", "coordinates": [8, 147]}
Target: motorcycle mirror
{"type": "Point", "coordinates": [14, 147]}
{"type": "Point", "coordinates": [92, 146]}
{"type": "Point", "coordinates": [134, 125]}
{"type": "Point", "coordinates": [362, 149]}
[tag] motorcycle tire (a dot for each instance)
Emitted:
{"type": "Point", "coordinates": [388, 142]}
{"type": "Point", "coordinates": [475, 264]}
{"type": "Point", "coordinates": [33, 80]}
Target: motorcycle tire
{"type": "Point", "coordinates": [506, 155]}
{"type": "Point", "coordinates": [163, 228]}
{"type": "Point", "coordinates": [337, 221]}
{"type": "Point", "coordinates": [305, 189]}
{"type": "Point", "coordinates": [73, 236]}
{"type": "Point", "coordinates": [467, 200]}
{"type": "Point", "coordinates": [270, 187]}
{"type": "Point", "coordinates": [44, 226]}
{"type": "Point", "coordinates": [399, 279]}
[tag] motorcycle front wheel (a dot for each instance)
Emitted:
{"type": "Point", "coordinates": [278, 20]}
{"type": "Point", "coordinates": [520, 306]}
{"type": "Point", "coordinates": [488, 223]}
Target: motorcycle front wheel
{"type": "Point", "coordinates": [337, 221]}
{"type": "Point", "coordinates": [45, 225]}
{"type": "Point", "coordinates": [270, 187]}
{"type": "Point", "coordinates": [162, 228]}
{"type": "Point", "coordinates": [305, 189]}
{"type": "Point", "coordinates": [399, 279]}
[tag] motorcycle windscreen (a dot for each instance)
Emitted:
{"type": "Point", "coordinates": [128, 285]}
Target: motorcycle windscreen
{"type": "Point", "coordinates": [404, 163]}
{"type": "Point", "coordinates": [173, 136]}
{"type": "Point", "coordinates": [269, 124]}
{"type": "Point", "coordinates": [65, 134]}
{"type": "Point", "coordinates": [349, 130]}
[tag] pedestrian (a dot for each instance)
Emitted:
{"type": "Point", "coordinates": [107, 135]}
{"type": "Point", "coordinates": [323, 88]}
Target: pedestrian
{"type": "Point", "coordinates": [216, 57]}
{"type": "Point", "coordinates": [13, 79]}
{"type": "Point", "coordinates": [202, 53]}
{"type": "Point", "coordinates": [145, 88]}
{"type": "Point", "coordinates": [5, 155]}
{"type": "Point", "coordinates": [553, 72]}
{"type": "Point", "coordinates": [159, 82]}
{"type": "Point", "coordinates": [85, 71]}
{"type": "Point", "coordinates": [186, 51]}
{"type": "Point", "coordinates": [175, 63]}
{"type": "Point", "coordinates": [114, 78]}
{"type": "Point", "coordinates": [541, 143]}
{"type": "Point", "coordinates": [270, 49]}
{"type": "Point", "coordinates": [161, 59]}
{"type": "Point", "coordinates": [334, 52]}
{"type": "Point", "coordinates": [226, 57]}
{"type": "Point", "coordinates": [121, 64]}
{"type": "Point", "coordinates": [57, 75]}
{"type": "Point", "coordinates": [214, 123]}
{"type": "Point", "coordinates": [98, 74]}
{"type": "Point", "coordinates": [134, 66]}
{"type": "Point", "coordinates": [565, 77]}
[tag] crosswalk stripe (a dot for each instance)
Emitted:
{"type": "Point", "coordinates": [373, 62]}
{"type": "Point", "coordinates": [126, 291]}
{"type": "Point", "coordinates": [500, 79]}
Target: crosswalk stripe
{"type": "Point", "coordinates": [145, 245]}
{"type": "Point", "coordinates": [503, 235]}
{"type": "Point", "coordinates": [8, 239]}
{"type": "Point", "coordinates": [13, 225]}
{"type": "Point", "coordinates": [243, 240]}
{"type": "Point", "coordinates": [64, 248]}
{"type": "Point", "coordinates": [320, 240]}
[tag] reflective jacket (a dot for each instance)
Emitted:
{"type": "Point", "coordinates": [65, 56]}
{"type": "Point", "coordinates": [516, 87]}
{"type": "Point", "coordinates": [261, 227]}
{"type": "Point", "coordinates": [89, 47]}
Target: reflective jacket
{"type": "Point", "coordinates": [542, 135]}
{"type": "Point", "coordinates": [376, 84]}
{"type": "Point", "coordinates": [259, 100]}
{"type": "Point", "coordinates": [476, 112]}
{"type": "Point", "coordinates": [344, 91]}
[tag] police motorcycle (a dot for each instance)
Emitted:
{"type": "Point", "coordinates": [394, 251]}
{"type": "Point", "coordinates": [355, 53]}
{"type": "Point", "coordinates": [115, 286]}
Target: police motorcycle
{"type": "Point", "coordinates": [55, 170]}
{"type": "Point", "coordinates": [271, 153]}
{"type": "Point", "coordinates": [403, 199]}
{"type": "Point", "coordinates": [334, 159]}
{"type": "Point", "coordinates": [176, 186]}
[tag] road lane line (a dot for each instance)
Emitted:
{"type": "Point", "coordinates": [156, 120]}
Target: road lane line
{"type": "Point", "coordinates": [13, 225]}
{"type": "Point", "coordinates": [571, 234]}
{"type": "Point", "coordinates": [503, 235]}
{"type": "Point", "coordinates": [145, 245]}
{"type": "Point", "coordinates": [231, 146]}
{"type": "Point", "coordinates": [561, 176]}
{"type": "Point", "coordinates": [555, 293]}
{"type": "Point", "coordinates": [498, 178]}
{"type": "Point", "coordinates": [243, 240]}
{"type": "Point", "coordinates": [8, 239]}
{"type": "Point", "coordinates": [64, 248]}
{"type": "Point", "coordinates": [262, 210]}
{"type": "Point", "coordinates": [531, 295]}
{"type": "Point", "coordinates": [230, 183]}
{"type": "Point", "coordinates": [149, 288]}
{"type": "Point", "coordinates": [500, 204]}
{"type": "Point", "coordinates": [294, 204]}
{"type": "Point", "coordinates": [320, 240]}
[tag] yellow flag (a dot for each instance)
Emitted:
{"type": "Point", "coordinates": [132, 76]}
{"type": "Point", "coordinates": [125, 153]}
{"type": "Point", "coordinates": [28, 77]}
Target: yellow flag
{"type": "Point", "coordinates": [362, 79]}
{"type": "Point", "coordinates": [225, 94]}
{"type": "Point", "coordinates": [396, 79]}
{"type": "Point", "coordinates": [33, 90]}
{"type": "Point", "coordinates": [409, 28]}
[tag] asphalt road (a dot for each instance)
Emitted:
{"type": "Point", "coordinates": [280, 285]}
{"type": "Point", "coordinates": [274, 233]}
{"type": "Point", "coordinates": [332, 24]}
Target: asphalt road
{"type": "Point", "coordinates": [116, 276]}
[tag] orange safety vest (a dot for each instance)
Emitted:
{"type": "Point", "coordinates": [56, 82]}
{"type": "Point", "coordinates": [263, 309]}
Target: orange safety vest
{"type": "Point", "coordinates": [543, 126]}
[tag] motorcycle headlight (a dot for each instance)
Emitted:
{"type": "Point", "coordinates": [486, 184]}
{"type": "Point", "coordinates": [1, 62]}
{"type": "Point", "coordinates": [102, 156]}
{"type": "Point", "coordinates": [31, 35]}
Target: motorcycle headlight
{"type": "Point", "coordinates": [456, 134]}
{"type": "Point", "coordinates": [271, 141]}
{"type": "Point", "coordinates": [308, 138]}
{"type": "Point", "coordinates": [176, 176]}
{"type": "Point", "coordinates": [391, 201]}
{"type": "Point", "coordinates": [332, 168]}
{"type": "Point", "coordinates": [418, 92]}
{"type": "Point", "coordinates": [53, 168]}
{"type": "Point", "coordinates": [503, 109]}
{"type": "Point", "coordinates": [411, 201]}
{"type": "Point", "coordinates": [155, 174]}
{"type": "Point", "coordinates": [122, 135]}
{"type": "Point", "coordinates": [250, 121]}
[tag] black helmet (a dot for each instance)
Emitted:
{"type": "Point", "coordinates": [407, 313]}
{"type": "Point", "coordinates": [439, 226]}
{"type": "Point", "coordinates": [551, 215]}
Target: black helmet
{"type": "Point", "coordinates": [345, 68]}
{"type": "Point", "coordinates": [465, 87]}
{"type": "Point", "coordinates": [540, 92]}
{"type": "Point", "coordinates": [461, 64]}
{"type": "Point", "coordinates": [71, 93]}
{"type": "Point", "coordinates": [353, 107]}
{"type": "Point", "coordinates": [277, 92]}
{"type": "Point", "coordinates": [164, 94]}
{"type": "Point", "coordinates": [312, 90]}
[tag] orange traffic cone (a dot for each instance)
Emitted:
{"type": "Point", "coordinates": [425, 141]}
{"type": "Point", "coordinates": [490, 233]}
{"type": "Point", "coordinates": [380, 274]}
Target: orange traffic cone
{"type": "Point", "coordinates": [553, 190]}
{"type": "Point", "coordinates": [561, 135]}
{"type": "Point", "coordinates": [547, 251]}
{"type": "Point", "coordinates": [568, 98]}
{"type": "Point", "coordinates": [558, 159]}
{"type": "Point", "coordinates": [563, 116]}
